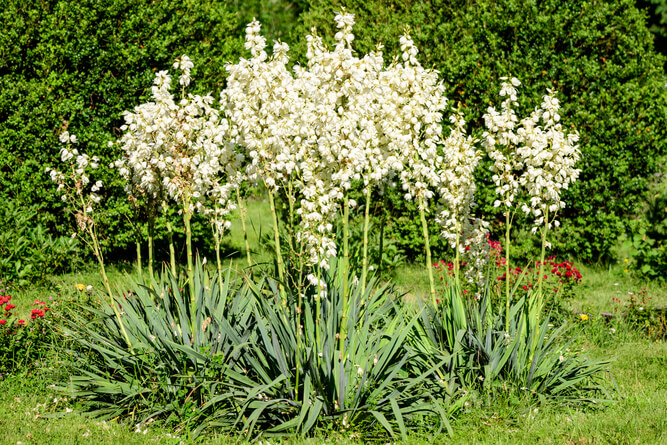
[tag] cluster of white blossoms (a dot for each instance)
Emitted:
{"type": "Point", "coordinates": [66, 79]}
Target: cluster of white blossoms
{"type": "Point", "coordinates": [534, 153]}
{"type": "Point", "coordinates": [549, 156]}
{"type": "Point", "coordinates": [179, 148]}
{"type": "Point", "coordinates": [75, 185]}
{"type": "Point", "coordinates": [417, 106]}
{"type": "Point", "coordinates": [500, 141]}
{"type": "Point", "coordinates": [341, 118]}
{"type": "Point", "coordinates": [342, 100]}
{"type": "Point", "coordinates": [314, 130]}
{"type": "Point", "coordinates": [262, 104]}
{"type": "Point", "coordinates": [456, 189]}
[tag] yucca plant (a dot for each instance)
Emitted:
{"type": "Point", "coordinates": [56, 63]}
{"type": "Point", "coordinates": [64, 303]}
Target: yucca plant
{"type": "Point", "coordinates": [485, 356]}
{"type": "Point", "coordinates": [297, 378]}
{"type": "Point", "coordinates": [177, 359]}
{"type": "Point", "coordinates": [536, 360]}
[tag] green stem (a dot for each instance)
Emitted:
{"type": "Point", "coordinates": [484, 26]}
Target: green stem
{"type": "Point", "coordinates": [243, 213]}
{"type": "Point", "coordinates": [100, 258]}
{"type": "Point", "coordinates": [298, 346]}
{"type": "Point", "coordinates": [318, 311]}
{"type": "Point", "coordinates": [364, 264]}
{"type": "Point", "coordinates": [151, 232]}
{"type": "Point", "coordinates": [381, 248]}
{"type": "Point", "coordinates": [187, 216]}
{"type": "Point", "coordinates": [346, 272]}
{"type": "Point", "coordinates": [139, 265]}
{"type": "Point", "coordinates": [457, 261]}
{"type": "Point", "coordinates": [290, 202]}
{"type": "Point", "coordinates": [216, 235]}
{"type": "Point", "coordinates": [427, 246]}
{"type": "Point", "coordinates": [170, 231]}
{"type": "Point", "coordinates": [537, 300]}
{"type": "Point", "coordinates": [279, 257]}
{"type": "Point", "coordinates": [507, 270]}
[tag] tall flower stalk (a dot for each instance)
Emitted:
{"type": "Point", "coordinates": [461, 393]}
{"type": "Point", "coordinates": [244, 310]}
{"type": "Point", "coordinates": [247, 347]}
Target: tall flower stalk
{"type": "Point", "coordinates": [174, 149]}
{"type": "Point", "coordinates": [535, 155]}
{"type": "Point", "coordinates": [82, 196]}
{"type": "Point", "coordinates": [501, 141]}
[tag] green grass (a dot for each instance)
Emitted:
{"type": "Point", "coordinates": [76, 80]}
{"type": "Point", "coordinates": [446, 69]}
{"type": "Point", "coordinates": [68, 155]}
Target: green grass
{"type": "Point", "coordinates": [598, 287]}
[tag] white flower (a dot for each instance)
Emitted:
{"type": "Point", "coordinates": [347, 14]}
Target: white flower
{"type": "Point", "coordinates": [533, 153]}
{"type": "Point", "coordinates": [180, 149]}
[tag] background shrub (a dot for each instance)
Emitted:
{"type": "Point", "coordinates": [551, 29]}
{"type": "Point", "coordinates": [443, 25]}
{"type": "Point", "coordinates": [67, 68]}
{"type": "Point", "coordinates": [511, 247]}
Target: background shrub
{"type": "Point", "coordinates": [28, 253]}
{"type": "Point", "coordinates": [598, 54]}
{"type": "Point", "coordinates": [649, 234]}
{"type": "Point", "coordinates": [80, 64]}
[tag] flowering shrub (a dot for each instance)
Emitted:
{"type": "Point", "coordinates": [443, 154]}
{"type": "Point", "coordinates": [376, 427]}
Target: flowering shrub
{"type": "Point", "coordinates": [22, 340]}
{"type": "Point", "coordinates": [312, 132]}
{"type": "Point", "coordinates": [586, 59]}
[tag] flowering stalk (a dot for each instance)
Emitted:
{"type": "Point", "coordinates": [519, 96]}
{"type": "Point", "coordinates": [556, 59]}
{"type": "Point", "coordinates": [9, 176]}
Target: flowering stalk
{"type": "Point", "coordinates": [170, 232]}
{"type": "Point", "coordinates": [279, 256]}
{"type": "Point", "coordinates": [176, 150]}
{"type": "Point", "coordinates": [137, 242]}
{"type": "Point", "coordinates": [364, 264]}
{"type": "Point", "coordinates": [140, 269]}
{"type": "Point", "coordinates": [100, 259]}
{"type": "Point", "coordinates": [508, 295]}
{"type": "Point", "coordinates": [346, 272]}
{"type": "Point", "coordinates": [427, 246]}
{"type": "Point", "coordinates": [74, 192]}
{"type": "Point", "coordinates": [539, 158]}
{"type": "Point", "coordinates": [540, 279]}
{"type": "Point", "coordinates": [242, 215]}
{"type": "Point", "coordinates": [218, 262]}
{"type": "Point", "coordinates": [318, 310]}
{"type": "Point", "coordinates": [151, 233]}
{"type": "Point", "coordinates": [187, 216]}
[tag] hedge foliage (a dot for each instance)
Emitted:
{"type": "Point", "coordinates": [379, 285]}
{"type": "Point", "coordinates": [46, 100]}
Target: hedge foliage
{"type": "Point", "coordinates": [78, 64]}
{"type": "Point", "coordinates": [599, 55]}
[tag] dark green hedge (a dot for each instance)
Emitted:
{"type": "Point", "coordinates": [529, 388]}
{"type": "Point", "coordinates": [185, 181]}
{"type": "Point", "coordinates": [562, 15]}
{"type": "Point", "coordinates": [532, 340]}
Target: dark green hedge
{"type": "Point", "coordinates": [598, 54]}
{"type": "Point", "coordinates": [80, 64]}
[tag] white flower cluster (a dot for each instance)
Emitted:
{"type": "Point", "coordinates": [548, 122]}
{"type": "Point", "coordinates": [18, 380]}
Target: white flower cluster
{"type": "Point", "coordinates": [179, 148]}
{"type": "Point", "coordinates": [534, 153]}
{"type": "Point", "coordinates": [419, 102]}
{"type": "Point", "coordinates": [456, 188]}
{"type": "Point", "coordinates": [75, 185]}
{"type": "Point", "coordinates": [500, 141]}
{"type": "Point", "coordinates": [316, 129]}
{"type": "Point", "coordinates": [549, 156]}
{"type": "Point", "coordinates": [456, 180]}
{"type": "Point", "coordinates": [339, 119]}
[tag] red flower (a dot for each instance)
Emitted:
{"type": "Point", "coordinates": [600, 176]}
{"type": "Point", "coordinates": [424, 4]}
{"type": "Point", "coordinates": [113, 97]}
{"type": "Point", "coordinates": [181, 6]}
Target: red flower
{"type": "Point", "coordinates": [9, 307]}
{"type": "Point", "coordinates": [36, 313]}
{"type": "Point", "coordinates": [3, 322]}
{"type": "Point", "coordinates": [22, 322]}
